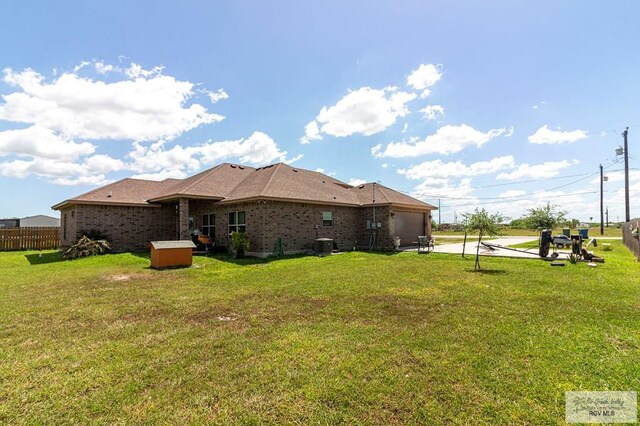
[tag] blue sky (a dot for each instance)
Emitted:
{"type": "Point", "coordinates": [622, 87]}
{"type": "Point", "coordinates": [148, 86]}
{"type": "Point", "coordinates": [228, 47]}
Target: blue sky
{"type": "Point", "coordinates": [504, 105]}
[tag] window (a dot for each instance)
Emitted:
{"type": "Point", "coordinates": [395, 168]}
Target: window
{"type": "Point", "coordinates": [64, 227]}
{"type": "Point", "coordinates": [327, 218]}
{"type": "Point", "coordinates": [237, 222]}
{"type": "Point", "coordinates": [209, 225]}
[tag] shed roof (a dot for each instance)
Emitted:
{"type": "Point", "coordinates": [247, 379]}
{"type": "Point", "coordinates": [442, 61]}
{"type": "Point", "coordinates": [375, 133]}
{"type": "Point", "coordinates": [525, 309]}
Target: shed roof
{"type": "Point", "coordinates": [178, 244]}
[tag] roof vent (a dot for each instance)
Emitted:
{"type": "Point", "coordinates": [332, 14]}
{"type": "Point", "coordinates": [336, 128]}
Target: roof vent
{"type": "Point", "coordinates": [324, 182]}
{"type": "Point", "coordinates": [110, 194]}
{"type": "Point", "coordinates": [361, 186]}
{"type": "Point", "coordinates": [241, 167]}
{"type": "Point", "coordinates": [233, 166]}
{"type": "Point", "coordinates": [295, 170]}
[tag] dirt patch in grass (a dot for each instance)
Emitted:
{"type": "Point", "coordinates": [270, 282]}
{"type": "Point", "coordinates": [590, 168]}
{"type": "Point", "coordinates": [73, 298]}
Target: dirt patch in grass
{"type": "Point", "coordinates": [127, 277]}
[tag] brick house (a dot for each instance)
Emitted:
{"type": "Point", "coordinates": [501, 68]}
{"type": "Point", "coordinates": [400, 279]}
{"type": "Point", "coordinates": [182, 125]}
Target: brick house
{"type": "Point", "coordinates": [276, 201]}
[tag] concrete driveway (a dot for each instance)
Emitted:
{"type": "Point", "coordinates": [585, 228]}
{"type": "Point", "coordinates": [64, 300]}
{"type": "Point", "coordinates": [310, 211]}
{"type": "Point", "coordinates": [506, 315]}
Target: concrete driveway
{"type": "Point", "coordinates": [456, 248]}
{"type": "Point", "coordinates": [470, 250]}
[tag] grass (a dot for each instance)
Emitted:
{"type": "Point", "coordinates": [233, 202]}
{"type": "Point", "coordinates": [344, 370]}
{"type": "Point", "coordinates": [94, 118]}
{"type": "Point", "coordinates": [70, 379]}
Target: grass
{"type": "Point", "coordinates": [352, 338]}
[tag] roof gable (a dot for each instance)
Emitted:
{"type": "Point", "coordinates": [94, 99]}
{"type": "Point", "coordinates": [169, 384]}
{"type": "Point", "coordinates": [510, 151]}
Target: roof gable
{"type": "Point", "coordinates": [217, 183]}
{"type": "Point", "coordinates": [281, 181]}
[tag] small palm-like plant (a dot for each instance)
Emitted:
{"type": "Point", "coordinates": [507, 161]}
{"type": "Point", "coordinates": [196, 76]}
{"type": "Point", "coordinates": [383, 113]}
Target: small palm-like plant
{"type": "Point", "coordinates": [574, 258]}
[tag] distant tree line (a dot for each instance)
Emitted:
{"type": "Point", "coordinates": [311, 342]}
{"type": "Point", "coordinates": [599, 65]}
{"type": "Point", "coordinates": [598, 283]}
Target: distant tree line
{"type": "Point", "coordinates": [545, 217]}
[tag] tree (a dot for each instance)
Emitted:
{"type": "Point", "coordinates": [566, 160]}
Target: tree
{"type": "Point", "coordinates": [484, 223]}
{"type": "Point", "coordinates": [547, 217]}
{"type": "Point", "coordinates": [518, 223]}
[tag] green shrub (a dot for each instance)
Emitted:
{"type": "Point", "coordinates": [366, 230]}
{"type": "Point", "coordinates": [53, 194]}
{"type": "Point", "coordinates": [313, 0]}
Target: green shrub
{"type": "Point", "coordinates": [86, 247]}
{"type": "Point", "coordinates": [240, 243]}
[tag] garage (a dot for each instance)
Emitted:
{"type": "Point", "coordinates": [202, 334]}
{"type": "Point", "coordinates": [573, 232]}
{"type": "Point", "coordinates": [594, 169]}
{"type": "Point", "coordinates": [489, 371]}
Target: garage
{"type": "Point", "coordinates": [407, 226]}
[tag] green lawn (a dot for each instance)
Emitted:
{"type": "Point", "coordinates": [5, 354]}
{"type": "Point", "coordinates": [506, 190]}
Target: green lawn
{"type": "Point", "coordinates": [352, 338]}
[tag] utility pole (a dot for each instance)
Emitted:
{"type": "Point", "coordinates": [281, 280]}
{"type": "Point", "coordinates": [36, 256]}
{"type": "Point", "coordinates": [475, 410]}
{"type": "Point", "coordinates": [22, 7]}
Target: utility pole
{"type": "Point", "coordinates": [601, 201]}
{"type": "Point", "coordinates": [439, 213]}
{"type": "Point", "coordinates": [607, 213]}
{"type": "Point", "coordinates": [627, 210]}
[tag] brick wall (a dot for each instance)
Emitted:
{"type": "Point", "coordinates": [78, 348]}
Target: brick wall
{"type": "Point", "coordinates": [128, 228]}
{"type": "Point", "coordinates": [298, 224]}
{"type": "Point", "coordinates": [68, 227]}
{"type": "Point", "coordinates": [384, 234]}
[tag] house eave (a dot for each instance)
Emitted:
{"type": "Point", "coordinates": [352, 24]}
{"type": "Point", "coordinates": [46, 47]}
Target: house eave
{"type": "Point", "coordinates": [289, 200]}
{"type": "Point", "coordinates": [176, 197]}
{"type": "Point", "coordinates": [69, 203]}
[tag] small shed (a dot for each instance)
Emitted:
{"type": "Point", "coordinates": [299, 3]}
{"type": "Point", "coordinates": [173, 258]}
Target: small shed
{"type": "Point", "coordinates": [167, 254]}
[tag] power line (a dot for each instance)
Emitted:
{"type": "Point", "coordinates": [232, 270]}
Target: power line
{"type": "Point", "coordinates": [507, 200]}
{"type": "Point", "coordinates": [527, 181]}
{"type": "Point", "coordinates": [511, 197]}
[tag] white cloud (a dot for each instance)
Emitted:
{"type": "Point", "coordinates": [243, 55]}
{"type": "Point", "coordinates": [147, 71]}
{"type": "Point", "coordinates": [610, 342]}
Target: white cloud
{"type": "Point", "coordinates": [544, 135]}
{"type": "Point", "coordinates": [425, 76]}
{"type": "Point", "coordinates": [538, 105]}
{"type": "Point", "coordinates": [440, 169]}
{"type": "Point", "coordinates": [292, 160]}
{"type": "Point", "coordinates": [613, 177]}
{"type": "Point", "coordinates": [356, 182]}
{"type": "Point", "coordinates": [431, 189]}
{"type": "Point", "coordinates": [142, 105]}
{"type": "Point", "coordinates": [385, 165]}
{"type": "Point", "coordinates": [154, 159]}
{"type": "Point", "coordinates": [512, 193]}
{"type": "Point", "coordinates": [162, 175]}
{"type": "Point", "coordinates": [136, 71]}
{"type": "Point", "coordinates": [158, 163]}
{"type": "Point", "coordinates": [431, 112]}
{"type": "Point", "coordinates": [364, 111]}
{"type": "Point", "coordinates": [102, 68]}
{"type": "Point", "coordinates": [311, 133]}
{"type": "Point", "coordinates": [447, 140]}
{"type": "Point", "coordinates": [217, 95]}
{"type": "Point", "coordinates": [37, 141]}
{"type": "Point", "coordinates": [405, 127]}
{"type": "Point", "coordinates": [547, 169]}
{"type": "Point", "coordinates": [90, 171]}
{"type": "Point", "coordinates": [147, 106]}
{"type": "Point", "coordinates": [257, 149]}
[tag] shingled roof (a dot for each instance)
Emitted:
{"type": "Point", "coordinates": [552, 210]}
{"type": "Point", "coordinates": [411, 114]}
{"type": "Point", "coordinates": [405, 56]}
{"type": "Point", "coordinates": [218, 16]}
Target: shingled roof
{"type": "Point", "coordinates": [230, 183]}
{"type": "Point", "coordinates": [127, 192]}
{"type": "Point", "coordinates": [215, 183]}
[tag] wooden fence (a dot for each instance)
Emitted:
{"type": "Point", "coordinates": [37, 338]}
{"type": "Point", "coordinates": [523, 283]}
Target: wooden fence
{"type": "Point", "coordinates": [29, 238]}
{"type": "Point", "coordinates": [629, 240]}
